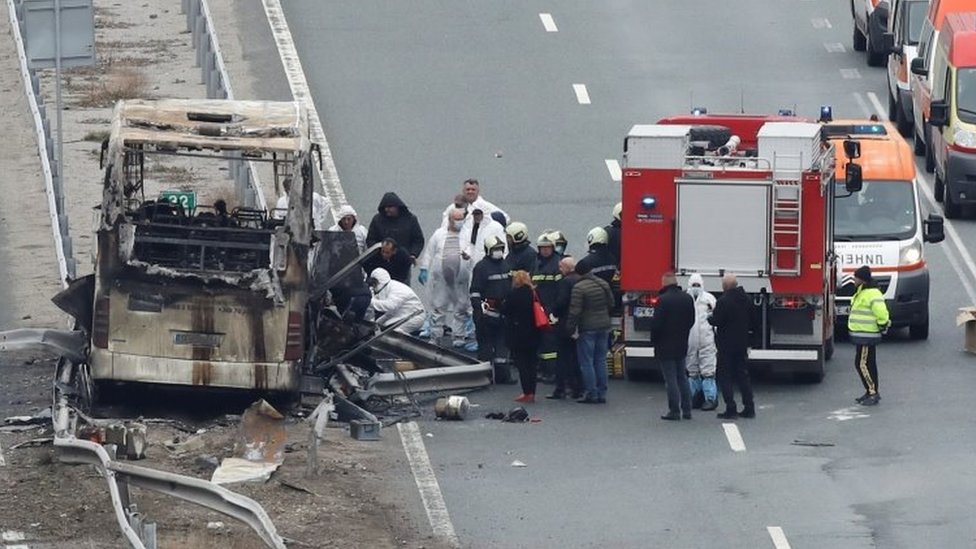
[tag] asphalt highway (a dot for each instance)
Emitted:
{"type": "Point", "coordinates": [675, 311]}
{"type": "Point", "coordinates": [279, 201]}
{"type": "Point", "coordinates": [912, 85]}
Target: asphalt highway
{"type": "Point", "coordinates": [417, 96]}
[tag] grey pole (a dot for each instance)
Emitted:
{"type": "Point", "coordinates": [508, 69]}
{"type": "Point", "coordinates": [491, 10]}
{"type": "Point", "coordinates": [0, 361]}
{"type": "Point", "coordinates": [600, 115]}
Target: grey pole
{"type": "Point", "coordinates": [57, 87]}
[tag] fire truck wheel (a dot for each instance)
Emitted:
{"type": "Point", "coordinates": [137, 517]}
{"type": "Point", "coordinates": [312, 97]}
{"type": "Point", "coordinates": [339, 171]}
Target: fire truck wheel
{"type": "Point", "coordinates": [860, 41]}
{"type": "Point", "coordinates": [919, 331]}
{"type": "Point", "coordinates": [715, 135]}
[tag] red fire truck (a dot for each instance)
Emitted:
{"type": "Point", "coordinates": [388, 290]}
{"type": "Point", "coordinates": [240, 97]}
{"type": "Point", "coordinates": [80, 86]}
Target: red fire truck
{"type": "Point", "coordinates": [748, 195]}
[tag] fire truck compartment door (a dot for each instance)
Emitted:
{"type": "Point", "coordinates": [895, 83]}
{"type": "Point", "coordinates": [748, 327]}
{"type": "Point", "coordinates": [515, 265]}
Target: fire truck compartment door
{"type": "Point", "coordinates": [723, 225]}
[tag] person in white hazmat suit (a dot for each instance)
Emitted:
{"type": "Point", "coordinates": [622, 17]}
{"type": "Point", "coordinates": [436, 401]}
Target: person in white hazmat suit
{"type": "Point", "coordinates": [394, 301]}
{"type": "Point", "coordinates": [702, 353]}
{"type": "Point", "coordinates": [446, 264]}
{"type": "Point", "coordinates": [349, 222]}
{"type": "Point", "coordinates": [477, 228]}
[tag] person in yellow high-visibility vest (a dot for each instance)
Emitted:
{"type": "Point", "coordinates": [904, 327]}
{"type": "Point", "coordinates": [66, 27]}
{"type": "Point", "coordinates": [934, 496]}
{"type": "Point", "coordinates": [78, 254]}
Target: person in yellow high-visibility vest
{"type": "Point", "coordinates": [868, 321]}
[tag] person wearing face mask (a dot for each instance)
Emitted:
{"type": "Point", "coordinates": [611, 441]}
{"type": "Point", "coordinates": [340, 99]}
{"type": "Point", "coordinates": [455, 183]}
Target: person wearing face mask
{"type": "Point", "coordinates": [521, 254]}
{"type": "Point", "coordinates": [446, 264]}
{"type": "Point", "coordinates": [393, 301]}
{"type": "Point", "coordinates": [546, 281]}
{"type": "Point", "coordinates": [476, 230]}
{"type": "Point", "coordinates": [702, 354]}
{"type": "Point", "coordinates": [559, 242]}
{"type": "Point", "coordinates": [491, 282]}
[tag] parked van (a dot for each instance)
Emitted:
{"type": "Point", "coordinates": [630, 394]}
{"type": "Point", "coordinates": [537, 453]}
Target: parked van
{"type": "Point", "coordinates": [953, 113]}
{"type": "Point", "coordinates": [881, 226]}
{"type": "Point", "coordinates": [901, 43]}
{"type": "Point", "coordinates": [921, 67]}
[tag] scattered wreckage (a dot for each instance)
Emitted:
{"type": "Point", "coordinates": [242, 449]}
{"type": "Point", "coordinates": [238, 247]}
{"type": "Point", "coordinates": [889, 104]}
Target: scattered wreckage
{"type": "Point", "coordinates": [211, 297]}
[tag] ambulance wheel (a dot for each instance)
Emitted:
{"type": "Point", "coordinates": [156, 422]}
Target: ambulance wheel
{"type": "Point", "coordinates": [892, 104]}
{"type": "Point", "coordinates": [715, 135]}
{"type": "Point", "coordinates": [919, 145]}
{"type": "Point", "coordinates": [939, 190]}
{"type": "Point", "coordinates": [875, 59]}
{"type": "Point", "coordinates": [919, 331]}
{"type": "Point", "coordinates": [929, 156]}
{"type": "Point", "coordinates": [860, 41]}
{"type": "Point", "coordinates": [903, 123]}
{"type": "Point", "coordinates": [951, 209]}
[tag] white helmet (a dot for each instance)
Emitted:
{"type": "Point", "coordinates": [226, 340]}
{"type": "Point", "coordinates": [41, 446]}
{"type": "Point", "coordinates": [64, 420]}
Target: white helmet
{"type": "Point", "coordinates": [493, 243]}
{"type": "Point", "coordinates": [518, 232]}
{"type": "Point", "coordinates": [597, 235]}
{"type": "Point", "coordinates": [617, 209]}
{"type": "Point", "coordinates": [545, 239]}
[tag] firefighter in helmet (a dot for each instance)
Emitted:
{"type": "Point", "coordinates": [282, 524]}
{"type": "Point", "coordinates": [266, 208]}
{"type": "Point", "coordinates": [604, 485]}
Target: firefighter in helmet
{"type": "Point", "coordinates": [491, 281]}
{"type": "Point", "coordinates": [559, 242]}
{"type": "Point", "coordinates": [521, 255]}
{"type": "Point", "coordinates": [613, 233]}
{"type": "Point", "coordinates": [546, 281]}
{"type": "Point", "coordinates": [602, 263]}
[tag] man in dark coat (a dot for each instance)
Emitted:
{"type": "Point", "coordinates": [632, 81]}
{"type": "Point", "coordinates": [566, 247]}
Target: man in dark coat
{"type": "Point", "coordinates": [392, 258]}
{"type": "Point", "coordinates": [674, 316]}
{"type": "Point", "coordinates": [491, 281]}
{"type": "Point", "coordinates": [546, 279]}
{"type": "Point", "coordinates": [569, 379]}
{"type": "Point", "coordinates": [394, 220]}
{"type": "Point", "coordinates": [732, 318]}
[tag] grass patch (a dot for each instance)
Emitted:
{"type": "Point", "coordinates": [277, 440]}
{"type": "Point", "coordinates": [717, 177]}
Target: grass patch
{"type": "Point", "coordinates": [122, 83]}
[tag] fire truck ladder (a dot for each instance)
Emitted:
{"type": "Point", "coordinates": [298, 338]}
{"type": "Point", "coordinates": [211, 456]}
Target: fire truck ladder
{"type": "Point", "coordinates": [787, 218]}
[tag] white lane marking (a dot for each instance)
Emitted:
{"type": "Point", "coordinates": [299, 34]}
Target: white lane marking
{"type": "Point", "coordinates": [779, 537]}
{"type": "Point", "coordinates": [3, 463]}
{"type": "Point", "coordinates": [12, 535]}
{"type": "Point", "coordinates": [821, 23]}
{"type": "Point", "coordinates": [614, 168]}
{"type": "Point", "coordinates": [862, 104]}
{"type": "Point", "coordinates": [845, 414]}
{"type": "Point", "coordinates": [850, 74]}
{"type": "Point", "coordinates": [734, 437]}
{"type": "Point", "coordinates": [300, 91]}
{"type": "Point", "coordinates": [548, 22]}
{"type": "Point", "coordinates": [876, 103]}
{"type": "Point", "coordinates": [430, 490]}
{"type": "Point", "coordinates": [834, 47]}
{"type": "Point", "coordinates": [926, 185]}
{"type": "Point", "coordinates": [582, 95]}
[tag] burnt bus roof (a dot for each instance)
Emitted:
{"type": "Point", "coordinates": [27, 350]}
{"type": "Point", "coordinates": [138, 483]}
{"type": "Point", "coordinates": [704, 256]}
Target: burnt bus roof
{"type": "Point", "coordinates": [254, 127]}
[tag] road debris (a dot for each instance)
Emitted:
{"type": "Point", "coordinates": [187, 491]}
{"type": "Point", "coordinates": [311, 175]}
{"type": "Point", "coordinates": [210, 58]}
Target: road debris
{"type": "Point", "coordinates": [518, 463]}
{"type": "Point", "coordinates": [260, 449]}
{"type": "Point", "coordinates": [452, 407]}
{"type": "Point", "coordinates": [812, 444]}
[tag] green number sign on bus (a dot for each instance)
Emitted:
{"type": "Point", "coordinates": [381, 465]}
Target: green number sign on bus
{"type": "Point", "coordinates": [186, 199]}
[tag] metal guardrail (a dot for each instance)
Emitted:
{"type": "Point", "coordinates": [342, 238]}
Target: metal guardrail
{"type": "Point", "coordinates": [53, 180]}
{"type": "Point", "coordinates": [214, 76]}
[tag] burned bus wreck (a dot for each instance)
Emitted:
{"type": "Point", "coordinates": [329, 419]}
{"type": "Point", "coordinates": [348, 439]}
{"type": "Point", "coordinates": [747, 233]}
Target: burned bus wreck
{"type": "Point", "coordinates": [201, 294]}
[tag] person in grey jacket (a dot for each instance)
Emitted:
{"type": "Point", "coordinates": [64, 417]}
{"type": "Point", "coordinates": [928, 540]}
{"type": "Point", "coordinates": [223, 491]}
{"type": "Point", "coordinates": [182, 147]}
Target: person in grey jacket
{"type": "Point", "coordinates": [589, 314]}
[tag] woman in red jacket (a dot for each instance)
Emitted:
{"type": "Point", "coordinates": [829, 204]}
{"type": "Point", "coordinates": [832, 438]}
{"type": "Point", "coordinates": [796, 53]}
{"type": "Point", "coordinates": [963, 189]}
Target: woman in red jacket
{"type": "Point", "coordinates": [523, 336]}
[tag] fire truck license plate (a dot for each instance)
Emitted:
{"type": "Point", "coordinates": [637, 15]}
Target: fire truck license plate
{"type": "Point", "coordinates": [643, 312]}
{"type": "Point", "coordinates": [842, 310]}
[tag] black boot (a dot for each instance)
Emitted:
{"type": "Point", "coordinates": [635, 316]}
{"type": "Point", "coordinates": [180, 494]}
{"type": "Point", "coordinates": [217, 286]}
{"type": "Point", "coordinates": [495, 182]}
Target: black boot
{"type": "Point", "coordinates": [748, 412]}
{"type": "Point", "coordinates": [729, 413]}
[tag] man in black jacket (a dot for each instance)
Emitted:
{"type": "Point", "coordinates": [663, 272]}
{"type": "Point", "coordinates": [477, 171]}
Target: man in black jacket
{"type": "Point", "coordinates": [546, 279]}
{"type": "Point", "coordinates": [569, 380]}
{"type": "Point", "coordinates": [674, 316]}
{"type": "Point", "coordinates": [392, 258]}
{"type": "Point", "coordinates": [491, 281]}
{"type": "Point", "coordinates": [732, 318]}
{"type": "Point", "coordinates": [394, 220]}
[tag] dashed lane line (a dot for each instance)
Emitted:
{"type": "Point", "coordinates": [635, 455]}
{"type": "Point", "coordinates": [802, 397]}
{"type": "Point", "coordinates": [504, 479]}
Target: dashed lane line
{"type": "Point", "coordinates": [821, 23]}
{"type": "Point", "coordinates": [834, 47]}
{"type": "Point", "coordinates": [957, 248]}
{"type": "Point", "coordinates": [850, 74]}
{"type": "Point", "coordinates": [582, 95]}
{"type": "Point", "coordinates": [876, 103]}
{"type": "Point", "coordinates": [614, 168]}
{"type": "Point", "coordinates": [430, 490]}
{"type": "Point", "coordinates": [862, 104]}
{"type": "Point", "coordinates": [778, 537]}
{"type": "Point", "coordinates": [734, 437]}
{"type": "Point", "coordinates": [548, 22]}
